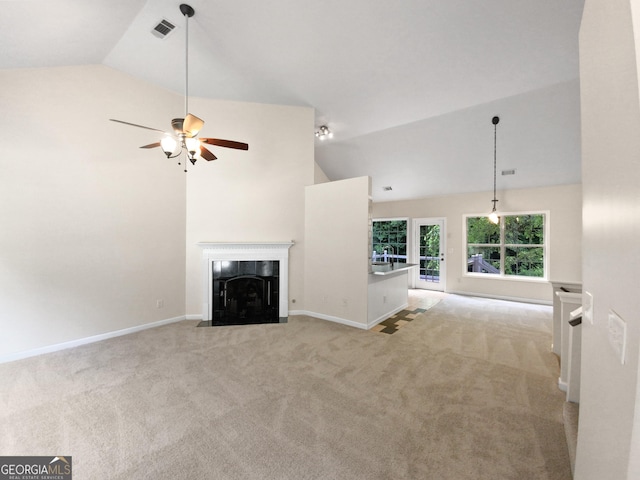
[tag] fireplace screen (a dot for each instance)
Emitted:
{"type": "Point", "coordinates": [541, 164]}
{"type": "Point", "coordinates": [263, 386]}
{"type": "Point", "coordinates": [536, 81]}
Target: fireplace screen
{"type": "Point", "coordinates": [245, 292]}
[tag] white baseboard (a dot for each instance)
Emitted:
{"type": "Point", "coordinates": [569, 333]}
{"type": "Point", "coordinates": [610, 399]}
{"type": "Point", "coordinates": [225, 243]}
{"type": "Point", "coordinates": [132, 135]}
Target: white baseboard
{"type": "Point", "coordinates": [502, 297]}
{"type": "Point", "coordinates": [349, 323]}
{"type": "Point", "coordinates": [193, 316]}
{"type": "Point", "coordinates": [84, 341]}
{"type": "Point", "coordinates": [386, 315]}
{"type": "Point", "coordinates": [331, 318]}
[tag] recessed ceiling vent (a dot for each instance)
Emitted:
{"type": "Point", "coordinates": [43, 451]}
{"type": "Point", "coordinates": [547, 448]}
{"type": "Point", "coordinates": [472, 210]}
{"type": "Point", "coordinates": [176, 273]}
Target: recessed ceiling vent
{"type": "Point", "coordinates": [163, 28]}
{"type": "Point", "coordinates": [509, 172]}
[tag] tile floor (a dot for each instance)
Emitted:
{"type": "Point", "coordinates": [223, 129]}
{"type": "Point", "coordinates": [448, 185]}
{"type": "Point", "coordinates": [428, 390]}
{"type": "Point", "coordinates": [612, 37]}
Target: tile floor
{"type": "Point", "coordinates": [424, 298]}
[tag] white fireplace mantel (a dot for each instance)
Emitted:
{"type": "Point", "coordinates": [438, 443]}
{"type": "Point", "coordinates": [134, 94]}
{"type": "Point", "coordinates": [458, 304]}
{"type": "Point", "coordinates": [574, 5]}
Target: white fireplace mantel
{"type": "Point", "coordinates": [248, 251]}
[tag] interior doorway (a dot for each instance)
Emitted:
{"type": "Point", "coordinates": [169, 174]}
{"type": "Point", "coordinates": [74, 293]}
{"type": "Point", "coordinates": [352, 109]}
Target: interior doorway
{"type": "Point", "coordinates": [429, 252]}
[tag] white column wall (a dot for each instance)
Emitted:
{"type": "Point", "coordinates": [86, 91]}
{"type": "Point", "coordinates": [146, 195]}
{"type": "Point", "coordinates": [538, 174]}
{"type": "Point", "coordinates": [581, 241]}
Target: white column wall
{"type": "Point", "coordinates": [611, 199]}
{"type": "Point", "coordinates": [337, 252]}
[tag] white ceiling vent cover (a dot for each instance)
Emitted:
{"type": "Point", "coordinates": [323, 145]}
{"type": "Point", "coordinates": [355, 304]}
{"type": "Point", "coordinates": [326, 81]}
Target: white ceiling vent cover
{"type": "Point", "coordinates": [163, 28]}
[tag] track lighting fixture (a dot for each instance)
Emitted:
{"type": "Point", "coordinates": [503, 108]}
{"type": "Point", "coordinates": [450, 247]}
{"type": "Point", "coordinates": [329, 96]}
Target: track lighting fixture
{"type": "Point", "coordinates": [323, 132]}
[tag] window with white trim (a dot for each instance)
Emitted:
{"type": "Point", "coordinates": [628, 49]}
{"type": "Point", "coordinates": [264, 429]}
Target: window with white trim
{"type": "Point", "coordinates": [390, 232]}
{"type": "Point", "coordinates": [516, 246]}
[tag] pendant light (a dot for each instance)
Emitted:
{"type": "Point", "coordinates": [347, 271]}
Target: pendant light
{"type": "Point", "coordinates": [493, 216]}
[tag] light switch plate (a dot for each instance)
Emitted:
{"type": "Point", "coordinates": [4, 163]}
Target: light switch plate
{"type": "Point", "coordinates": [617, 332]}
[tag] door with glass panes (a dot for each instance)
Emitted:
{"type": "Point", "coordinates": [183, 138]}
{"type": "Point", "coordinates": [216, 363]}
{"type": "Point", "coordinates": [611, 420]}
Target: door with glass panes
{"type": "Point", "coordinates": [429, 253]}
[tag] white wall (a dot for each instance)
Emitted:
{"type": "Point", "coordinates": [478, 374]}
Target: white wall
{"type": "Point", "coordinates": [609, 428]}
{"type": "Point", "coordinates": [388, 294]}
{"type": "Point", "coordinates": [254, 195]}
{"type": "Point", "coordinates": [337, 251]}
{"type": "Point", "coordinates": [564, 205]}
{"type": "Point", "coordinates": [319, 175]}
{"type": "Point", "coordinates": [92, 228]}
{"type": "Point", "coordinates": [538, 135]}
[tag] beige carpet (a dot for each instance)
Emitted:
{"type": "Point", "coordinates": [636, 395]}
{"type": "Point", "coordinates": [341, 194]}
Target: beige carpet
{"type": "Point", "coordinates": [465, 391]}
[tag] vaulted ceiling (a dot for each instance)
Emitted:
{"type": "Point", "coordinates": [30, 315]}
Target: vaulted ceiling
{"type": "Point", "coordinates": [408, 88]}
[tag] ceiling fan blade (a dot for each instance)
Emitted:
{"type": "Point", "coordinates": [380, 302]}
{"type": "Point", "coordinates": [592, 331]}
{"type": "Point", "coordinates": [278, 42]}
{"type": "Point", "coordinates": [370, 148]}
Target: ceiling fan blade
{"type": "Point", "coordinates": [225, 143]}
{"type": "Point", "coordinates": [192, 125]}
{"type": "Point", "coordinates": [136, 125]}
{"type": "Point", "coordinates": [151, 145]}
{"type": "Point", "coordinates": [206, 154]}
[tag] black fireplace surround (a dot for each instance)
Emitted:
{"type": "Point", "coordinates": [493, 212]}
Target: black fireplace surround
{"type": "Point", "coordinates": [245, 292]}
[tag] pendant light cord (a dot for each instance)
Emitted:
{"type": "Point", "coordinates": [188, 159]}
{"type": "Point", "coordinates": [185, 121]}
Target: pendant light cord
{"type": "Point", "coordinates": [495, 121]}
{"type": "Point", "coordinates": [495, 139]}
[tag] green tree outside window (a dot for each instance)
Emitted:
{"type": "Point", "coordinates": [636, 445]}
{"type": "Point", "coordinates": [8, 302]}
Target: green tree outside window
{"type": "Point", "coordinates": [390, 232]}
{"type": "Point", "coordinates": [515, 246]}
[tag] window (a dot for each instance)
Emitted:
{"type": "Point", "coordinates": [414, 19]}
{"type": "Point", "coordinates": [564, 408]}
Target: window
{"type": "Point", "coordinates": [514, 247]}
{"type": "Point", "coordinates": [389, 232]}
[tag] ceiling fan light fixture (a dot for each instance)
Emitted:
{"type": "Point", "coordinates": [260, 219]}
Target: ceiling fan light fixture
{"type": "Point", "coordinates": [193, 145]}
{"type": "Point", "coordinates": [176, 124]}
{"type": "Point", "coordinates": [183, 139]}
{"type": "Point", "coordinates": [169, 145]}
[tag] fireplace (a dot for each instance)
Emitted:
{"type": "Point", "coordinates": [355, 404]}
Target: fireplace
{"type": "Point", "coordinates": [245, 292]}
{"type": "Point", "coordinates": [245, 283]}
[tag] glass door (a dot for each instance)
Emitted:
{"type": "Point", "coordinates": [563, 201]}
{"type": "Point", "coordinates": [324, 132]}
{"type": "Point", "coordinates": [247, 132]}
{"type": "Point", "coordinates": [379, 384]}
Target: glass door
{"type": "Point", "coordinates": [429, 248]}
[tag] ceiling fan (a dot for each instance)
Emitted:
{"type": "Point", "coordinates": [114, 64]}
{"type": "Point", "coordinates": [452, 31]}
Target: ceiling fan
{"type": "Point", "coordinates": [186, 129]}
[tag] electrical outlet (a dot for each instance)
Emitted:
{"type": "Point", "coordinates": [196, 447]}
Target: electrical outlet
{"type": "Point", "coordinates": [159, 303]}
{"type": "Point", "coordinates": [617, 332]}
{"type": "Point", "coordinates": [384, 299]}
